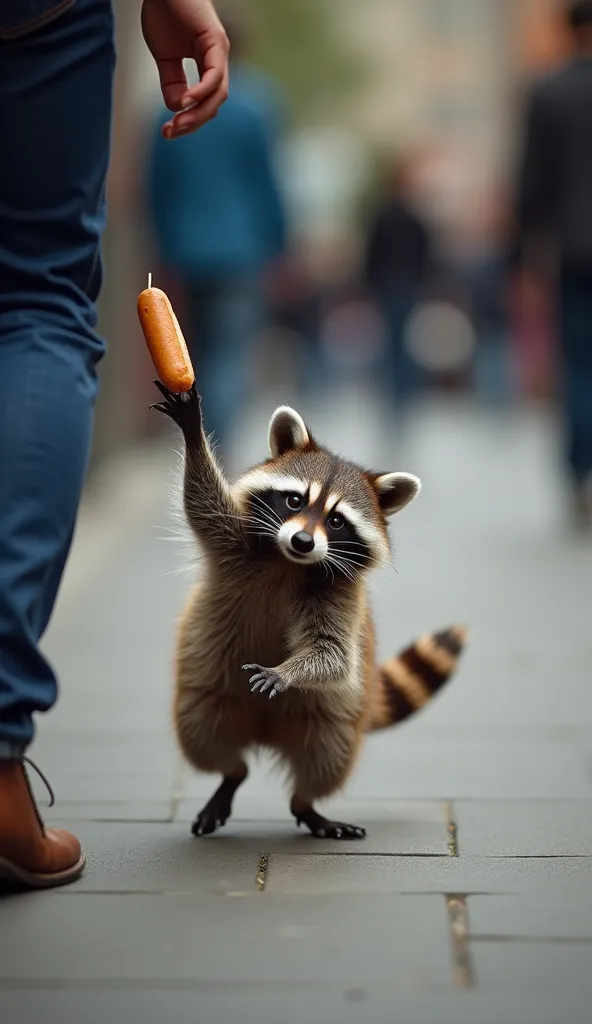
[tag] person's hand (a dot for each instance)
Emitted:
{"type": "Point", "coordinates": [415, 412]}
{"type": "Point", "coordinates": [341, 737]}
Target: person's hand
{"type": "Point", "coordinates": [174, 30]}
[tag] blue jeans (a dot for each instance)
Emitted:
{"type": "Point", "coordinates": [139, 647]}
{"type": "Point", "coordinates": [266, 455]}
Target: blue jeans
{"type": "Point", "coordinates": [576, 354]}
{"type": "Point", "coordinates": [56, 69]}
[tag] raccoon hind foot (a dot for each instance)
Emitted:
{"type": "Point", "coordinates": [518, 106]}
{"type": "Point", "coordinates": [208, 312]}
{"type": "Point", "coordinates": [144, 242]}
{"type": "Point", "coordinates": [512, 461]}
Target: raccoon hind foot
{"type": "Point", "coordinates": [323, 828]}
{"type": "Point", "coordinates": [218, 809]}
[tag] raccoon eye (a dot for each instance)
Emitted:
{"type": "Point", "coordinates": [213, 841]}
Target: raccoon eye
{"type": "Point", "coordinates": [294, 502]}
{"type": "Point", "coordinates": [336, 521]}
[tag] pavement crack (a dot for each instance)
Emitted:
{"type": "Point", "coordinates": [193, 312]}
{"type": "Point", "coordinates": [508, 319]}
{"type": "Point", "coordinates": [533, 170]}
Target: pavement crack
{"type": "Point", "coordinates": [452, 829]}
{"type": "Point", "coordinates": [261, 875]}
{"type": "Point", "coordinates": [458, 923]}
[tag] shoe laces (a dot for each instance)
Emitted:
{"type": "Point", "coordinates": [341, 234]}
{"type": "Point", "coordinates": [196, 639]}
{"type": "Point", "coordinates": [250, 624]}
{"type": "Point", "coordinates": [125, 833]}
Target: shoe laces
{"type": "Point", "coordinates": [27, 760]}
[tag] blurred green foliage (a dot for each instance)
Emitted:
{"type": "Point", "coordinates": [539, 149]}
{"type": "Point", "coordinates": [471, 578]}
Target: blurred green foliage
{"type": "Point", "coordinates": [301, 43]}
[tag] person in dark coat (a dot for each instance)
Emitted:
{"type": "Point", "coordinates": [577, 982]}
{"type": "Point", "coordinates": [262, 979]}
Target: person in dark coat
{"type": "Point", "coordinates": [397, 259]}
{"type": "Point", "coordinates": [554, 208]}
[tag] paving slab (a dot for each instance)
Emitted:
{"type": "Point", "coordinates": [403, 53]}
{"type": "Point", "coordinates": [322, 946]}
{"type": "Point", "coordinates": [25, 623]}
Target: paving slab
{"type": "Point", "coordinates": [527, 966]}
{"type": "Point", "coordinates": [402, 940]}
{"type": "Point", "coordinates": [321, 1003]}
{"type": "Point", "coordinates": [393, 828]}
{"type": "Point", "coordinates": [551, 915]}
{"type": "Point", "coordinates": [129, 856]}
{"type": "Point", "coordinates": [144, 857]}
{"type": "Point", "coordinates": [394, 767]}
{"type": "Point", "coordinates": [458, 875]}
{"type": "Point", "coordinates": [541, 828]}
{"type": "Point", "coordinates": [122, 810]}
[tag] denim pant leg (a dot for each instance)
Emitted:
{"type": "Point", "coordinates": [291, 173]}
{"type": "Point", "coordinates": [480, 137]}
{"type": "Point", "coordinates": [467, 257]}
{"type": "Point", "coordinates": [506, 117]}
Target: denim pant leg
{"type": "Point", "coordinates": [576, 351]}
{"type": "Point", "coordinates": [55, 95]}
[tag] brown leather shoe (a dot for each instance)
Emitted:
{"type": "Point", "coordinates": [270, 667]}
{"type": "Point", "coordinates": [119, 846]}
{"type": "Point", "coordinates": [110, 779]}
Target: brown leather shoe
{"type": "Point", "coordinates": [30, 854]}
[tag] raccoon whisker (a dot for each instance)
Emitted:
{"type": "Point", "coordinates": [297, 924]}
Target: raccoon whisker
{"type": "Point", "coordinates": [336, 545]}
{"type": "Point", "coordinates": [266, 514]}
{"type": "Point", "coordinates": [255, 521]}
{"type": "Point", "coordinates": [183, 569]}
{"type": "Point", "coordinates": [348, 556]}
{"type": "Point", "coordinates": [261, 533]}
{"type": "Point", "coordinates": [328, 569]}
{"type": "Point", "coordinates": [343, 567]}
{"type": "Point", "coordinates": [359, 565]}
{"type": "Point", "coordinates": [269, 523]}
{"type": "Point", "coordinates": [176, 540]}
{"type": "Point", "coordinates": [231, 515]}
{"type": "Point", "coordinates": [260, 521]}
{"type": "Point", "coordinates": [258, 527]}
{"type": "Point", "coordinates": [382, 595]}
{"type": "Point", "coordinates": [343, 543]}
{"type": "Point", "coordinates": [266, 507]}
{"type": "Point", "coordinates": [354, 570]}
{"type": "Point", "coordinates": [351, 566]}
{"type": "Point", "coordinates": [346, 572]}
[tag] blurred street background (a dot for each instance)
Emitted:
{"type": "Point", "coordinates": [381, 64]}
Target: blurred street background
{"type": "Point", "coordinates": [342, 238]}
{"type": "Point", "coordinates": [347, 216]}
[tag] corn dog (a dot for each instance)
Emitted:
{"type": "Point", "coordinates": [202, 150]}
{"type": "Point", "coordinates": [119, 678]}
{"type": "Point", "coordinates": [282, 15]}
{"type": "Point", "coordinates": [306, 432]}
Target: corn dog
{"type": "Point", "coordinates": [164, 339]}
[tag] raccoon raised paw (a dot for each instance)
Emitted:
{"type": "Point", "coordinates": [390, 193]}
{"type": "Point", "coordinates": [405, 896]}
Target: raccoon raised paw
{"type": "Point", "coordinates": [265, 679]}
{"type": "Point", "coordinates": [183, 407]}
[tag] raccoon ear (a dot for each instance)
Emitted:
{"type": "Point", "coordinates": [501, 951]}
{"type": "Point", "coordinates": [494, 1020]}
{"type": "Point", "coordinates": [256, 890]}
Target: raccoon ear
{"type": "Point", "coordinates": [287, 431]}
{"type": "Point", "coordinates": [395, 490]}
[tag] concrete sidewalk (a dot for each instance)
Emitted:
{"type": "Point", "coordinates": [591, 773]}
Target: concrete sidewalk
{"type": "Point", "coordinates": [470, 900]}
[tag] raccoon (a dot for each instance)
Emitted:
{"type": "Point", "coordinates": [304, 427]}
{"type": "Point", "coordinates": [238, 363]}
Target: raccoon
{"type": "Point", "coordinates": [282, 612]}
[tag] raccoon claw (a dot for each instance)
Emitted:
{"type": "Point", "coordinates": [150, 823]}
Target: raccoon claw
{"type": "Point", "coordinates": [265, 679]}
{"type": "Point", "coordinates": [165, 392]}
{"type": "Point", "coordinates": [323, 828]}
{"type": "Point", "coordinates": [183, 407]}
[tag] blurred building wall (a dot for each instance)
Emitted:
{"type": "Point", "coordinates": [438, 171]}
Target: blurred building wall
{"type": "Point", "coordinates": [121, 414]}
{"type": "Point", "coordinates": [441, 69]}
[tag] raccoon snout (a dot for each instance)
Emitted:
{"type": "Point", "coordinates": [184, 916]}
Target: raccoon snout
{"type": "Point", "coordinates": [302, 542]}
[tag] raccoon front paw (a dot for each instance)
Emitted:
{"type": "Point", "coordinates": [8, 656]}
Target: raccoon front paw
{"type": "Point", "coordinates": [265, 679]}
{"type": "Point", "coordinates": [184, 408]}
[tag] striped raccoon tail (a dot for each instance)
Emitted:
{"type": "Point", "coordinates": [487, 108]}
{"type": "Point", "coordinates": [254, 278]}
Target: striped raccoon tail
{"type": "Point", "coordinates": [409, 681]}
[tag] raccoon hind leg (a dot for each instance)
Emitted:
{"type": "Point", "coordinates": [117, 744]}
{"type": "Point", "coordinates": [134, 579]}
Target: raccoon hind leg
{"type": "Point", "coordinates": [211, 744]}
{"type": "Point", "coordinates": [219, 807]}
{"type": "Point", "coordinates": [321, 768]}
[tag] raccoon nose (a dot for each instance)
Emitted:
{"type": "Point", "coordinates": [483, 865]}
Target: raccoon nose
{"type": "Point", "coordinates": [303, 542]}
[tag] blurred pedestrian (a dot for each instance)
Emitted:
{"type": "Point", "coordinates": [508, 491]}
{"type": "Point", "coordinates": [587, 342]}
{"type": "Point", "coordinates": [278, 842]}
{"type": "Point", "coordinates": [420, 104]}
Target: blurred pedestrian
{"type": "Point", "coordinates": [555, 210]}
{"type": "Point", "coordinates": [397, 261]}
{"type": "Point", "coordinates": [482, 270]}
{"type": "Point", "coordinates": [219, 225]}
{"type": "Point", "coordinates": [56, 69]}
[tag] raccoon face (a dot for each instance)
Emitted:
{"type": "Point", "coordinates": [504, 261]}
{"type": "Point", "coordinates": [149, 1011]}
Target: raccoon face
{"type": "Point", "coordinates": [313, 507]}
